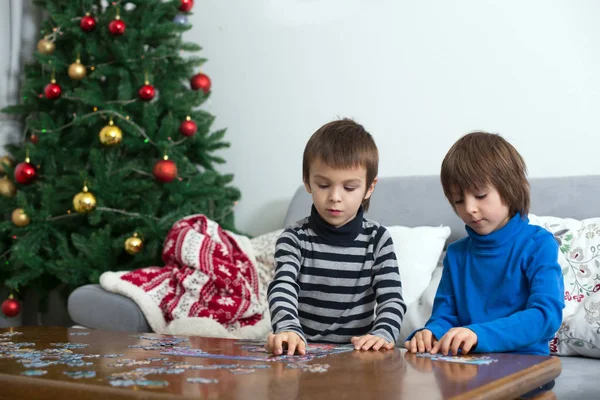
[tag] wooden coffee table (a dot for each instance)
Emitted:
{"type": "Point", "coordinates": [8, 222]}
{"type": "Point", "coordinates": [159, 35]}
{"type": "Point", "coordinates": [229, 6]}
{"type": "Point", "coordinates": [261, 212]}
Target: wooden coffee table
{"type": "Point", "coordinates": [352, 375]}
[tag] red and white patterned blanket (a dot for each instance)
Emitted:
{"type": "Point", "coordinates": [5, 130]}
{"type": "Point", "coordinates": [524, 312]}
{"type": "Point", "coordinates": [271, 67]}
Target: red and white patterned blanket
{"type": "Point", "coordinates": [208, 287]}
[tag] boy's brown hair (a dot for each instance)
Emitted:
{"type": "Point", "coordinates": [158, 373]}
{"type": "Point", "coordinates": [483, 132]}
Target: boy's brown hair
{"type": "Point", "coordinates": [479, 159]}
{"type": "Point", "coordinates": [342, 144]}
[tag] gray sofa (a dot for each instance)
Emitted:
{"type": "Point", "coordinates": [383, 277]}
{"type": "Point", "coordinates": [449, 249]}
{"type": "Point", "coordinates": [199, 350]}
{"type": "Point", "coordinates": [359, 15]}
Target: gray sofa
{"type": "Point", "coordinates": [408, 201]}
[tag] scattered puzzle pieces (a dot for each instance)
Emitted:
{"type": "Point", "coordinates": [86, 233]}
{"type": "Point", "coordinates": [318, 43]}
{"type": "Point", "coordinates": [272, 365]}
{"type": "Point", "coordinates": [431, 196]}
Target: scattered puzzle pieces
{"type": "Point", "coordinates": [35, 360]}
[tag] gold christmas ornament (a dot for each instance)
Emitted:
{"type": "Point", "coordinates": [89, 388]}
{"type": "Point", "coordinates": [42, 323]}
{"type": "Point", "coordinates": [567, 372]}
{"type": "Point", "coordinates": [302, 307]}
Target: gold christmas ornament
{"type": "Point", "coordinates": [134, 244]}
{"type": "Point", "coordinates": [5, 160]}
{"type": "Point", "coordinates": [84, 202]}
{"type": "Point", "coordinates": [45, 46]}
{"type": "Point", "coordinates": [77, 70]}
{"type": "Point", "coordinates": [111, 135]}
{"type": "Point", "coordinates": [7, 188]}
{"type": "Point", "coordinates": [19, 218]}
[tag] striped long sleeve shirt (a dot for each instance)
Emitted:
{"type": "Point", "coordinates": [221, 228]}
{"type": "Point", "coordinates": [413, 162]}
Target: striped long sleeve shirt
{"type": "Point", "coordinates": [331, 284]}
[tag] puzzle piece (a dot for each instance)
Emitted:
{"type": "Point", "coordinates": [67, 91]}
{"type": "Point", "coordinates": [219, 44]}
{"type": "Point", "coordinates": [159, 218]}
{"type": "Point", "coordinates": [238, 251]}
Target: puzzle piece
{"type": "Point", "coordinates": [212, 367]}
{"type": "Point", "coordinates": [468, 359]}
{"type": "Point", "coordinates": [34, 372]}
{"type": "Point", "coordinates": [202, 380]}
{"type": "Point", "coordinates": [80, 374]}
{"type": "Point", "coordinates": [242, 371]}
{"type": "Point", "coordinates": [112, 355]}
{"type": "Point", "coordinates": [310, 367]}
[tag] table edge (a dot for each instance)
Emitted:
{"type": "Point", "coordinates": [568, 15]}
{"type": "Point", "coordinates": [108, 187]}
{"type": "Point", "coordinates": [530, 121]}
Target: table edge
{"type": "Point", "coordinates": [529, 378]}
{"type": "Point", "coordinates": [88, 388]}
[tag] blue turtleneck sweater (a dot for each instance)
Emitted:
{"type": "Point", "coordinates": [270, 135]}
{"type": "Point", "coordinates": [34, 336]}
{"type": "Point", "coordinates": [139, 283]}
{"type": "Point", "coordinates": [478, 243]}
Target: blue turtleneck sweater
{"type": "Point", "coordinates": [507, 287]}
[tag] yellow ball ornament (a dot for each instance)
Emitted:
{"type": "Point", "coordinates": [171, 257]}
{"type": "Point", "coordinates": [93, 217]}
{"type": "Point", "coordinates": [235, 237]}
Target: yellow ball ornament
{"type": "Point", "coordinates": [84, 202]}
{"type": "Point", "coordinates": [111, 135]}
{"type": "Point", "coordinates": [19, 218]}
{"type": "Point", "coordinates": [7, 188]}
{"type": "Point", "coordinates": [77, 70]}
{"type": "Point", "coordinates": [133, 244]}
{"type": "Point", "coordinates": [45, 46]}
{"type": "Point", "coordinates": [5, 160]}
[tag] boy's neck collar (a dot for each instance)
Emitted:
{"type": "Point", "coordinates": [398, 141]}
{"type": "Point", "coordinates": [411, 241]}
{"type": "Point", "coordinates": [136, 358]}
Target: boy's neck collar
{"type": "Point", "coordinates": [329, 233]}
{"type": "Point", "coordinates": [497, 238]}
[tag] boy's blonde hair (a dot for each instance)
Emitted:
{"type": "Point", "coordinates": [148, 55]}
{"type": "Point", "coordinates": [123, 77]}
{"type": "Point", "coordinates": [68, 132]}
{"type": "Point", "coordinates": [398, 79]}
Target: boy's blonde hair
{"type": "Point", "coordinates": [479, 159]}
{"type": "Point", "coordinates": [342, 144]}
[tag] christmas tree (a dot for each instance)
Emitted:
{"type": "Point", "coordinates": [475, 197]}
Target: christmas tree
{"type": "Point", "coordinates": [115, 145]}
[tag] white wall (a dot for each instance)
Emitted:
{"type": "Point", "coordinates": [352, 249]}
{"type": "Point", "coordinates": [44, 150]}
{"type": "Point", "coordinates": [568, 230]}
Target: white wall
{"type": "Point", "coordinates": [417, 74]}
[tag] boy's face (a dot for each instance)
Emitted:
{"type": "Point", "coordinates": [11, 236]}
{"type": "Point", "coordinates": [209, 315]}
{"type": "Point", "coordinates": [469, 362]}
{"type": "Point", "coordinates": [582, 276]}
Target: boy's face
{"type": "Point", "coordinates": [337, 193]}
{"type": "Point", "coordinates": [483, 211]}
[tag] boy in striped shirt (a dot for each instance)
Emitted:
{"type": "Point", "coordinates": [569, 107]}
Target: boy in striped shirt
{"type": "Point", "coordinates": [336, 278]}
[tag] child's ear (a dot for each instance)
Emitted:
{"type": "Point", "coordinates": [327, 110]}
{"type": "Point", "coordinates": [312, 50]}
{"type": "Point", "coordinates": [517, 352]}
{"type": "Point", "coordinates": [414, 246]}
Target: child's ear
{"type": "Point", "coordinates": [307, 187]}
{"type": "Point", "coordinates": [370, 189]}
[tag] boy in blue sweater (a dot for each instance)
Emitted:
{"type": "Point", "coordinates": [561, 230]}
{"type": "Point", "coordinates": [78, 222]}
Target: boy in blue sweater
{"type": "Point", "coordinates": [502, 287]}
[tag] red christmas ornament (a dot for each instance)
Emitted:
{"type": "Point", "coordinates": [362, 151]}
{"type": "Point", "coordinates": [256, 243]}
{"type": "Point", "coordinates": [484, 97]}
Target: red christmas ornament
{"type": "Point", "coordinates": [34, 138]}
{"type": "Point", "coordinates": [186, 5]}
{"type": "Point", "coordinates": [188, 127]}
{"type": "Point", "coordinates": [88, 23]}
{"type": "Point", "coordinates": [116, 27]}
{"type": "Point", "coordinates": [165, 170]}
{"type": "Point", "coordinates": [25, 172]}
{"type": "Point", "coordinates": [147, 92]}
{"type": "Point", "coordinates": [52, 90]}
{"type": "Point", "coordinates": [11, 307]}
{"type": "Point", "coordinates": [200, 81]}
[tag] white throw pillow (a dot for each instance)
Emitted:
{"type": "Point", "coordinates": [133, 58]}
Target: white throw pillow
{"type": "Point", "coordinates": [418, 251]}
{"type": "Point", "coordinates": [579, 258]}
{"type": "Point", "coordinates": [419, 312]}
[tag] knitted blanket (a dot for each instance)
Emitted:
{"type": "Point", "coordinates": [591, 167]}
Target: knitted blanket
{"type": "Point", "coordinates": [208, 286]}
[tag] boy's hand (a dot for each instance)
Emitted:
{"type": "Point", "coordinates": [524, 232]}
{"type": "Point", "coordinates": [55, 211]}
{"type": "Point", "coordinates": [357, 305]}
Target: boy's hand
{"type": "Point", "coordinates": [371, 342]}
{"type": "Point", "coordinates": [422, 342]}
{"type": "Point", "coordinates": [456, 338]}
{"type": "Point", "coordinates": [290, 340]}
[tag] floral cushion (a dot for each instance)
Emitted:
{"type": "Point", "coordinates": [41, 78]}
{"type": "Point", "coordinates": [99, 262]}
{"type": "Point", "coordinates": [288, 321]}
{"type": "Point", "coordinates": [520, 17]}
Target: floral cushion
{"type": "Point", "coordinates": [579, 258]}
